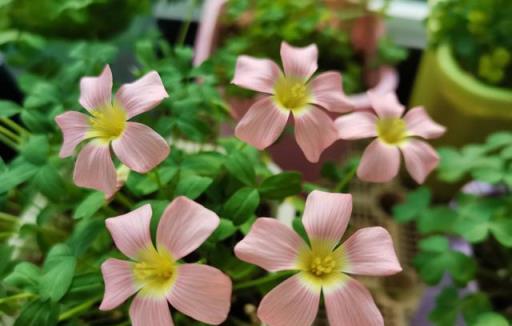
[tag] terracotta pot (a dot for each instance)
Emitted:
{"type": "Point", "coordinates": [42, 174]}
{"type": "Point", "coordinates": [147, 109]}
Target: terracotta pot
{"type": "Point", "coordinates": [285, 152]}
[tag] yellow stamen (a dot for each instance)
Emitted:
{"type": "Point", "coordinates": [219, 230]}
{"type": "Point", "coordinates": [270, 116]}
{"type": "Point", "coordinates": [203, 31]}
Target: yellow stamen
{"type": "Point", "coordinates": [291, 93]}
{"type": "Point", "coordinates": [107, 122]}
{"type": "Point", "coordinates": [392, 131]}
{"type": "Point", "coordinates": [156, 271]}
{"type": "Point", "coordinates": [321, 265]}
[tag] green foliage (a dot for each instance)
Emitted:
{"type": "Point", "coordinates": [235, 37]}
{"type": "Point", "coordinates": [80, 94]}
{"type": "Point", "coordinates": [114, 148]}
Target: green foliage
{"type": "Point", "coordinates": [479, 35]}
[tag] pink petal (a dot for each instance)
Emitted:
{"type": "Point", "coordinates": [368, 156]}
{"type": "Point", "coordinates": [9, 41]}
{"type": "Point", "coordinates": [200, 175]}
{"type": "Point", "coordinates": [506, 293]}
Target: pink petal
{"type": "Point", "coordinates": [130, 231]}
{"type": "Point", "coordinates": [291, 303]}
{"type": "Point", "coordinates": [94, 169]}
{"type": "Point", "coordinates": [370, 251]}
{"type": "Point", "coordinates": [142, 95]}
{"type": "Point", "coordinates": [386, 105]}
{"type": "Point", "coordinates": [419, 124]}
{"type": "Point", "coordinates": [357, 125]}
{"type": "Point", "coordinates": [350, 303]}
{"type": "Point", "coordinates": [74, 126]}
{"type": "Point", "coordinates": [201, 292]}
{"type": "Point", "coordinates": [328, 93]}
{"type": "Point", "coordinates": [96, 91]}
{"type": "Point", "coordinates": [184, 226]}
{"type": "Point", "coordinates": [262, 124]}
{"type": "Point", "coordinates": [420, 159]}
{"type": "Point", "coordinates": [380, 162]}
{"type": "Point", "coordinates": [299, 62]}
{"type": "Point", "coordinates": [140, 147]}
{"type": "Point", "coordinates": [270, 245]}
{"type": "Point", "coordinates": [149, 311]}
{"type": "Point", "coordinates": [119, 283]}
{"type": "Point", "coordinates": [314, 131]}
{"type": "Point", "coordinates": [326, 216]}
{"type": "Point", "coordinates": [256, 74]}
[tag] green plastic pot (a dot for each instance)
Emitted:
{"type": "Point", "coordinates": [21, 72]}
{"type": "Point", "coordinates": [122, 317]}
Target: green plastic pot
{"type": "Point", "coordinates": [470, 109]}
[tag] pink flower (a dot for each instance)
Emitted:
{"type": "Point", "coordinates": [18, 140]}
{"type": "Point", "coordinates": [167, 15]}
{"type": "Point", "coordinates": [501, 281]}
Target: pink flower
{"type": "Point", "coordinates": [199, 291]}
{"type": "Point", "coordinates": [322, 266]}
{"type": "Point", "coordinates": [137, 146]}
{"type": "Point", "coordinates": [290, 93]}
{"type": "Point", "coordinates": [381, 159]}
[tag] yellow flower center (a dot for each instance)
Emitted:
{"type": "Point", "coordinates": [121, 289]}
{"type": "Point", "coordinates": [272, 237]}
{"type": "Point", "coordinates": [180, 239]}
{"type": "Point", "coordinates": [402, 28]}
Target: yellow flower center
{"type": "Point", "coordinates": [156, 271]}
{"type": "Point", "coordinates": [392, 131]}
{"type": "Point", "coordinates": [321, 265]}
{"type": "Point", "coordinates": [107, 123]}
{"type": "Point", "coordinates": [291, 93]}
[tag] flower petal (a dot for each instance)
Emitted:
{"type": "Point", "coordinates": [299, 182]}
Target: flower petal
{"type": "Point", "coordinates": [326, 216]}
{"type": "Point", "coordinates": [149, 311]}
{"type": "Point", "coordinates": [119, 283]}
{"type": "Point", "coordinates": [256, 74]}
{"type": "Point", "coordinates": [291, 303]}
{"type": "Point", "coordinates": [420, 159]}
{"type": "Point", "coordinates": [74, 126]}
{"type": "Point", "coordinates": [94, 169]}
{"type": "Point", "coordinates": [270, 245]}
{"type": "Point", "coordinates": [327, 92]}
{"type": "Point", "coordinates": [380, 162]}
{"type": "Point", "coordinates": [357, 125]}
{"type": "Point", "coordinates": [370, 251]}
{"type": "Point", "coordinates": [96, 92]}
{"type": "Point", "coordinates": [386, 105]}
{"type": "Point", "coordinates": [142, 95]}
{"type": "Point", "coordinates": [184, 226]}
{"type": "Point", "coordinates": [262, 124]}
{"type": "Point", "coordinates": [420, 124]}
{"type": "Point", "coordinates": [140, 147]}
{"type": "Point", "coordinates": [350, 303]}
{"type": "Point", "coordinates": [299, 62]}
{"type": "Point", "coordinates": [201, 292]}
{"type": "Point", "coordinates": [130, 231]}
{"type": "Point", "coordinates": [314, 131]}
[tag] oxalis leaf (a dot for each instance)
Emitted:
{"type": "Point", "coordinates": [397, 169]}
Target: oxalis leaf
{"type": "Point", "coordinates": [58, 271]}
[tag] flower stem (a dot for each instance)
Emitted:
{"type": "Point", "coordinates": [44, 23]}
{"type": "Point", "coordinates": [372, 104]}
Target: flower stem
{"type": "Point", "coordinates": [19, 296]}
{"type": "Point", "coordinates": [124, 200]}
{"type": "Point", "coordinates": [263, 280]}
{"type": "Point", "coordinates": [7, 141]}
{"type": "Point", "coordinates": [78, 309]}
{"type": "Point", "coordinates": [14, 126]}
{"type": "Point", "coordinates": [343, 184]}
{"type": "Point", "coordinates": [157, 179]}
{"type": "Point", "coordinates": [186, 25]}
{"type": "Point", "coordinates": [10, 134]}
{"type": "Point", "coordinates": [9, 218]}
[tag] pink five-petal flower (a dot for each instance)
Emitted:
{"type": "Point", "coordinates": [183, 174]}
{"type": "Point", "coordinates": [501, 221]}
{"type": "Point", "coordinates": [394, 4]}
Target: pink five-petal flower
{"type": "Point", "coordinates": [394, 134]}
{"type": "Point", "coordinates": [292, 92]}
{"type": "Point", "coordinates": [322, 267]}
{"type": "Point", "coordinates": [199, 291]}
{"type": "Point", "coordinates": [137, 146]}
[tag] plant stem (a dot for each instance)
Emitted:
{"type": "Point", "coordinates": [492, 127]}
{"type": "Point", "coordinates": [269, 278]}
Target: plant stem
{"type": "Point", "coordinates": [343, 184]}
{"type": "Point", "coordinates": [8, 142]}
{"type": "Point", "coordinates": [123, 199]}
{"type": "Point", "coordinates": [157, 179]}
{"type": "Point", "coordinates": [186, 25]}
{"type": "Point", "coordinates": [10, 134]}
{"type": "Point", "coordinates": [19, 296]}
{"type": "Point", "coordinates": [263, 280]}
{"type": "Point", "coordinates": [9, 218]}
{"type": "Point", "coordinates": [78, 309]}
{"type": "Point", "coordinates": [14, 126]}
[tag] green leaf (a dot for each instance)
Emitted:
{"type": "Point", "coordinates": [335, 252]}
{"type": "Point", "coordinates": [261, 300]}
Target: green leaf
{"type": "Point", "coordinates": [502, 230]}
{"type": "Point", "coordinates": [225, 229]}
{"type": "Point", "coordinates": [446, 310]}
{"type": "Point", "coordinates": [440, 218]}
{"type": "Point", "coordinates": [36, 150]}
{"type": "Point", "coordinates": [8, 109]}
{"type": "Point", "coordinates": [38, 313]}
{"type": "Point", "coordinates": [192, 186]}
{"type": "Point", "coordinates": [149, 182]}
{"type": "Point", "coordinates": [473, 305]}
{"type": "Point", "coordinates": [491, 318]}
{"type": "Point", "coordinates": [241, 167]}
{"type": "Point", "coordinates": [58, 271]}
{"type": "Point", "coordinates": [298, 226]}
{"type": "Point", "coordinates": [87, 284]}
{"type": "Point", "coordinates": [16, 175]}
{"type": "Point", "coordinates": [89, 206]}
{"type": "Point", "coordinates": [24, 276]}
{"type": "Point", "coordinates": [414, 204]}
{"type": "Point", "coordinates": [84, 234]}
{"type": "Point", "coordinates": [49, 182]}
{"type": "Point", "coordinates": [5, 259]}
{"type": "Point", "coordinates": [241, 205]}
{"type": "Point", "coordinates": [205, 163]}
{"type": "Point", "coordinates": [281, 185]}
